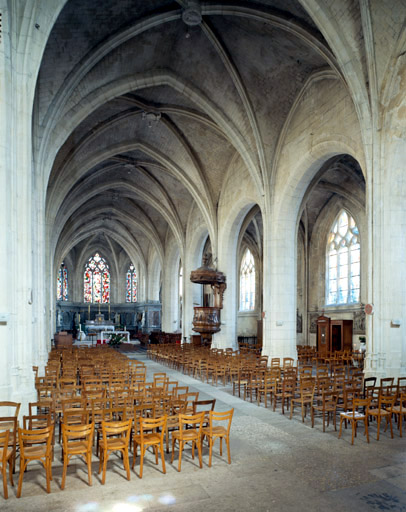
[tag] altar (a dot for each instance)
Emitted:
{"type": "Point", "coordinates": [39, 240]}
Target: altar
{"type": "Point", "coordinates": [95, 328]}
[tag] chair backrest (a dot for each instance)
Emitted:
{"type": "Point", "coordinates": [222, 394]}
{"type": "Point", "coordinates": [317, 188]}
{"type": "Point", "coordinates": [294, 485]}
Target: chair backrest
{"type": "Point", "coordinates": [37, 421]}
{"type": "Point", "coordinates": [180, 390]}
{"type": "Point", "coordinates": [189, 397]}
{"type": "Point", "coordinates": [114, 414]}
{"type": "Point", "coordinates": [144, 410]}
{"type": "Point", "coordinates": [72, 432]}
{"type": "Point", "coordinates": [288, 361]}
{"type": "Point", "coordinates": [186, 420]}
{"type": "Point", "coordinates": [361, 403]}
{"type": "Point", "coordinates": [120, 429]}
{"type": "Point", "coordinates": [387, 381]}
{"type": "Point", "coordinates": [147, 425]}
{"type": "Point", "coordinates": [387, 401]}
{"type": "Point", "coordinates": [75, 416]}
{"type": "Point", "coordinates": [28, 437]}
{"type": "Point", "coordinates": [203, 406]}
{"type": "Point", "coordinates": [4, 437]}
{"type": "Point", "coordinates": [10, 408]}
{"type": "Point", "coordinates": [369, 382]}
{"type": "Point", "coordinates": [8, 423]}
{"type": "Point", "coordinates": [329, 398]}
{"type": "Point", "coordinates": [220, 417]}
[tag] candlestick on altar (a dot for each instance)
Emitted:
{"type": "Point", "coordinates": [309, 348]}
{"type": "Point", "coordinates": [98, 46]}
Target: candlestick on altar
{"type": "Point", "coordinates": [88, 311]}
{"type": "Point", "coordinates": [79, 318]}
{"type": "Point", "coordinates": [99, 308]}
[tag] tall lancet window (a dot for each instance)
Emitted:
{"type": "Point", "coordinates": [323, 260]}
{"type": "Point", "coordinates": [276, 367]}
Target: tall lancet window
{"type": "Point", "coordinates": [343, 261]}
{"type": "Point", "coordinates": [97, 280]}
{"type": "Point", "coordinates": [180, 293]}
{"type": "Point", "coordinates": [247, 282]}
{"type": "Point", "coordinates": [62, 283]}
{"type": "Point", "coordinates": [131, 284]}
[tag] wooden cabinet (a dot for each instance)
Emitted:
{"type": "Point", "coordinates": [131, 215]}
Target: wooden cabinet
{"type": "Point", "coordinates": [323, 335]}
{"type": "Point", "coordinates": [333, 335]}
{"type": "Point", "coordinates": [341, 335]}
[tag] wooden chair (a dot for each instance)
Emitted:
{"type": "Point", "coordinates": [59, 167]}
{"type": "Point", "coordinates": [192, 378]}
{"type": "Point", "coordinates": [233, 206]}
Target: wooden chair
{"type": "Point", "coordinates": [359, 412]}
{"type": "Point", "coordinates": [204, 406]}
{"type": "Point", "coordinates": [285, 391]}
{"type": "Point", "coordinates": [9, 421]}
{"type": "Point", "coordinates": [6, 457]}
{"type": "Point", "coordinates": [216, 430]}
{"type": "Point", "coordinates": [267, 387]}
{"type": "Point", "coordinates": [121, 431]}
{"type": "Point", "coordinates": [77, 440]}
{"type": "Point", "coordinates": [400, 411]}
{"type": "Point", "coordinates": [189, 398]}
{"type": "Point", "coordinates": [35, 445]}
{"type": "Point", "coordinates": [369, 382]}
{"type": "Point", "coordinates": [305, 398]}
{"type": "Point", "coordinates": [186, 435]}
{"type": "Point", "coordinates": [326, 408]}
{"type": "Point", "coordinates": [383, 410]}
{"type": "Point", "coordinates": [152, 431]}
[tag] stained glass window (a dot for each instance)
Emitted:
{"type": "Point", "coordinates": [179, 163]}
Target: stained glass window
{"type": "Point", "coordinates": [97, 280]}
{"type": "Point", "coordinates": [62, 283]}
{"type": "Point", "coordinates": [247, 282]}
{"type": "Point", "coordinates": [343, 261]}
{"type": "Point", "coordinates": [131, 284]}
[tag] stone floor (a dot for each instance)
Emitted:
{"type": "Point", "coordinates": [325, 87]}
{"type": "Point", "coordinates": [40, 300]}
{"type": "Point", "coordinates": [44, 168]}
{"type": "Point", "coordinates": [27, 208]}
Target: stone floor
{"type": "Point", "coordinates": [277, 464]}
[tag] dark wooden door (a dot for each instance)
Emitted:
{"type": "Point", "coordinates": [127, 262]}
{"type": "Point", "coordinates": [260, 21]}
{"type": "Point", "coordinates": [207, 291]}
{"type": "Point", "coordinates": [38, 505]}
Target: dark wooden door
{"type": "Point", "coordinates": [323, 335]}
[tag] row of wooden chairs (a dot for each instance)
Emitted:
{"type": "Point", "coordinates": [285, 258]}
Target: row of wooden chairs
{"type": "Point", "coordinates": [36, 445]}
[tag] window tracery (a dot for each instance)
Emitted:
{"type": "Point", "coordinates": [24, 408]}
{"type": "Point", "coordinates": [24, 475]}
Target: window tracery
{"type": "Point", "coordinates": [97, 280]}
{"type": "Point", "coordinates": [343, 261]}
{"type": "Point", "coordinates": [62, 284]}
{"type": "Point", "coordinates": [131, 284]}
{"type": "Point", "coordinates": [247, 282]}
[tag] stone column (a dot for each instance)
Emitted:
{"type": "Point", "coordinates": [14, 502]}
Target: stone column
{"type": "Point", "coordinates": [280, 295]}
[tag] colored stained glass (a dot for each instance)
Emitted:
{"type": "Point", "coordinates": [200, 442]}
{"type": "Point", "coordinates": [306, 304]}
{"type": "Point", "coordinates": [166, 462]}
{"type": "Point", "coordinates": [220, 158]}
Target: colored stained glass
{"type": "Point", "coordinates": [131, 284]}
{"type": "Point", "coordinates": [247, 282]}
{"type": "Point", "coordinates": [343, 261]}
{"type": "Point", "coordinates": [96, 280]}
{"type": "Point", "coordinates": [62, 284]}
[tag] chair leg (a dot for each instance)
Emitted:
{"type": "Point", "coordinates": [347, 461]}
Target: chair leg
{"type": "Point", "coordinates": [173, 449]}
{"type": "Point", "coordinates": [65, 467]}
{"type": "Point", "coordinates": [89, 468]}
{"type": "Point", "coordinates": [135, 454]}
{"type": "Point", "coordinates": [10, 470]}
{"type": "Point", "coordinates": [23, 465]}
{"type": "Point", "coordinates": [126, 463]}
{"type": "Point", "coordinates": [162, 457]}
{"type": "Point", "coordinates": [5, 490]}
{"type": "Point", "coordinates": [142, 450]}
{"type": "Point", "coordinates": [180, 454]}
{"type": "Point", "coordinates": [199, 452]}
{"type": "Point", "coordinates": [210, 450]}
{"type": "Point", "coordinates": [105, 457]}
{"type": "Point", "coordinates": [48, 474]}
{"type": "Point", "coordinates": [228, 449]}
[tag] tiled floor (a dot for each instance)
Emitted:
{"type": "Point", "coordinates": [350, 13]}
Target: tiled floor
{"type": "Point", "coordinates": [277, 465]}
